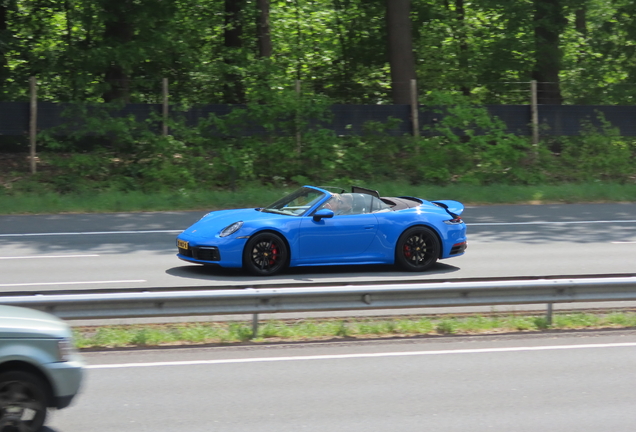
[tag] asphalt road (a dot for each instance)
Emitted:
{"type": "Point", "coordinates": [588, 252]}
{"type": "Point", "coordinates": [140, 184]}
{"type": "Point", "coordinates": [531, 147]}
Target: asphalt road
{"type": "Point", "coordinates": [557, 382]}
{"type": "Point", "coordinates": [109, 251]}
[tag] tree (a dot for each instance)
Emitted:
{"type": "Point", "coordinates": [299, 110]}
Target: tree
{"type": "Point", "coordinates": [462, 41]}
{"type": "Point", "coordinates": [549, 23]}
{"type": "Point", "coordinates": [234, 92]}
{"type": "Point", "coordinates": [118, 32]}
{"type": "Point", "coordinates": [400, 49]}
{"type": "Point", "coordinates": [263, 35]}
{"type": "Point", "coordinates": [5, 41]}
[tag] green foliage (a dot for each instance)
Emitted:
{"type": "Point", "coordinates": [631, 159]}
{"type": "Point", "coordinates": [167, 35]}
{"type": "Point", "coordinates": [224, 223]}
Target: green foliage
{"type": "Point", "coordinates": [541, 323]}
{"type": "Point", "coordinates": [341, 329]}
{"type": "Point", "coordinates": [486, 49]}
{"type": "Point", "coordinates": [446, 326]}
{"type": "Point", "coordinates": [241, 331]}
{"type": "Point", "coordinates": [232, 332]}
{"type": "Point", "coordinates": [121, 153]}
{"type": "Point", "coordinates": [599, 153]}
{"type": "Point", "coordinates": [99, 149]}
{"type": "Point", "coordinates": [467, 145]}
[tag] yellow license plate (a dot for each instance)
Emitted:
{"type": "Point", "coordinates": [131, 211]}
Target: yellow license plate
{"type": "Point", "coordinates": [182, 244]}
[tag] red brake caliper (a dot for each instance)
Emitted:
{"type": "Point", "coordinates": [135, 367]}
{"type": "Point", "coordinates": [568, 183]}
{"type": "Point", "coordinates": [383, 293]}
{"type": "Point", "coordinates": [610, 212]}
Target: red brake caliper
{"type": "Point", "coordinates": [274, 255]}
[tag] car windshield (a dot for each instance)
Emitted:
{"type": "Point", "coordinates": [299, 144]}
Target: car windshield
{"type": "Point", "coordinates": [296, 203]}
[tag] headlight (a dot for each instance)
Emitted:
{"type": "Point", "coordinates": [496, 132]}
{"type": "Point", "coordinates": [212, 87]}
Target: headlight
{"type": "Point", "coordinates": [231, 229]}
{"type": "Point", "coordinates": [65, 349]}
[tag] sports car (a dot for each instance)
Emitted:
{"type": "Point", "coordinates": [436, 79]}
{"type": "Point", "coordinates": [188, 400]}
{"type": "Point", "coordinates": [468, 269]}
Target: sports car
{"type": "Point", "coordinates": [317, 226]}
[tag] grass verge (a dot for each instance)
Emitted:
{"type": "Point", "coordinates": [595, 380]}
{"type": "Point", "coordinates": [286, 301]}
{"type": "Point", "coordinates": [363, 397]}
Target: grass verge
{"type": "Point", "coordinates": [253, 196]}
{"type": "Point", "coordinates": [225, 333]}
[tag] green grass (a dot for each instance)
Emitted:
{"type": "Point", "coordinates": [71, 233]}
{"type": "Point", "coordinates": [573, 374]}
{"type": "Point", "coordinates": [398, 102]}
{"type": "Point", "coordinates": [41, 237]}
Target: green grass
{"type": "Point", "coordinates": [334, 329]}
{"type": "Point", "coordinates": [252, 196]}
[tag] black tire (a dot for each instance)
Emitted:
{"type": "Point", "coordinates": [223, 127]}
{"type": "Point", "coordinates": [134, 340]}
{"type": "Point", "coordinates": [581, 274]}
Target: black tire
{"type": "Point", "coordinates": [417, 249]}
{"type": "Point", "coordinates": [265, 254]}
{"type": "Point", "coordinates": [23, 402]}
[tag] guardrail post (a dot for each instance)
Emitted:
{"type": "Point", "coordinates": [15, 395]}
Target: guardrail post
{"type": "Point", "coordinates": [548, 315]}
{"type": "Point", "coordinates": [254, 326]}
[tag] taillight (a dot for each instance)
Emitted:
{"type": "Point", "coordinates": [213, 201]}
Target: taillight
{"type": "Point", "coordinates": [455, 221]}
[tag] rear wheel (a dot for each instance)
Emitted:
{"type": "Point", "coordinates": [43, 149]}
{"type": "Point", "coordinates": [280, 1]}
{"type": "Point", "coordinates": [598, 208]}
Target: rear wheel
{"type": "Point", "coordinates": [417, 249]}
{"type": "Point", "coordinates": [265, 254]}
{"type": "Point", "coordinates": [23, 402]}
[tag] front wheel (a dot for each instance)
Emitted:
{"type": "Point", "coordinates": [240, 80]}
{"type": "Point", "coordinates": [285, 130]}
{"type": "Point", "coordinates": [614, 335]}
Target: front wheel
{"type": "Point", "coordinates": [417, 249]}
{"type": "Point", "coordinates": [265, 254]}
{"type": "Point", "coordinates": [23, 402]}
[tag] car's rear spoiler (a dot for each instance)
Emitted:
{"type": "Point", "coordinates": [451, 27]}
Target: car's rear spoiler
{"type": "Point", "coordinates": [454, 208]}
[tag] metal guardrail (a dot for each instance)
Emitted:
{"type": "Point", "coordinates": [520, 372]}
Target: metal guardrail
{"type": "Point", "coordinates": [333, 298]}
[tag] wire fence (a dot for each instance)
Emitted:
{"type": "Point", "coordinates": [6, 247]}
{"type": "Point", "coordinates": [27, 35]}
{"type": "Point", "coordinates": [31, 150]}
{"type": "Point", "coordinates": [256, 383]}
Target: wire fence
{"type": "Point", "coordinates": [188, 93]}
{"type": "Point", "coordinates": [526, 109]}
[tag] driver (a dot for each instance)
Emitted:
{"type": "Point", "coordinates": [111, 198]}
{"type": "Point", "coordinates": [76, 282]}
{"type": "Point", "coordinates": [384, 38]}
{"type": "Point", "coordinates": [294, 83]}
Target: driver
{"type": "Point", "coordinates": [340, 204]}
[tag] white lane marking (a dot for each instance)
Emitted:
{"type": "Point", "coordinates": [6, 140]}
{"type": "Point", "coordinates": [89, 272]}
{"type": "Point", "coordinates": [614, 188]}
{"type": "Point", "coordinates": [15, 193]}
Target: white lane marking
{"type": "Point", "coordinates": [48, 256]}
{"type": "Point", "coordinates": [70, 283]}
{"type": "Point", "coordinates": [353, 356]}
{"type": "Point", "coordinates": [180, 231]}
{"type": "Point", "coordinates": [549, 222]}
{"type": "Point", "coordinates": [624, 242]}
{"type": "Point", "coordinates": [93, 233]}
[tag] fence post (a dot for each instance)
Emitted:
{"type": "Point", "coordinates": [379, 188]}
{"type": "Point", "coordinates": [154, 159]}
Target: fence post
{"type": "Point", "coordinates": [535, 112]}
{"type": "Point", "coordinates": [415, 115]}
{"type": "Point", "coordinates": [33, 121]}
{"type": "Point", "coordinates": [298, 135]}
{"type": "Point", "coordinates": [165, 107]}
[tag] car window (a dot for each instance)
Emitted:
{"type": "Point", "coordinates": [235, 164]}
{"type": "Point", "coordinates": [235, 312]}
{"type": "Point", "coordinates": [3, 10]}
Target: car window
{"type": "Point", "coordinates": [340, 204]}
{"type": "Point", "coordinates": [296, 203]}
{"type": "Point", "coordinates": [355, 204]}
{"type": "Point", "coordinates": [377, 205]}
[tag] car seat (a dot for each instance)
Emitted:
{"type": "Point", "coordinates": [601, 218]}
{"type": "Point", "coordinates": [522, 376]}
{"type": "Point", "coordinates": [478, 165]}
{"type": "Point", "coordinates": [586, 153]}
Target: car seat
{"type": "Point", "coordinates": [361, 203]}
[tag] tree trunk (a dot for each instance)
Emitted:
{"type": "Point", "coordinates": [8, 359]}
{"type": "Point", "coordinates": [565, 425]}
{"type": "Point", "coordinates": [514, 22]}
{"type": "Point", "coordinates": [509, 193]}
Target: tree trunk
{"type": "Point", "coordinates": [263, 30]}
{"type": "Point", "coordinates": [580, 19]}
{"type": "Point", "coordinates": [233, 90]}
{"type": "Point", "coordinates": [549, 23]}
{"type": "Point", "coordinates": [401, 59]}
{"type": "Point", "coordinates": [118, 31]}
{"type": "Point", "coordinates": [460, 15]}
{"type": "Point", "coordinates": [4, 41]}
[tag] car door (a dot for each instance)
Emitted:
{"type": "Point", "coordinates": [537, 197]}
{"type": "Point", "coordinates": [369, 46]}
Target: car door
{"type": "Point", "coordinates": [343, 238]}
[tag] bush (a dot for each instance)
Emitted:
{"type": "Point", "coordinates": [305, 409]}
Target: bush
{"type": "Point", "coordinates": [465, 145]}
{"type": "Point", "coordinates": [599, 153]}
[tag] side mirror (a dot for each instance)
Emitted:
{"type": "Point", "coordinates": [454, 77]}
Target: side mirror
{"type": "Point", "coordinates": [323, 214]}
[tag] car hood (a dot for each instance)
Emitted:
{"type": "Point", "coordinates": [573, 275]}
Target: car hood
{"type": "Point", "coordinates": [18, 322]}
{"type": "Point", "coordinates": [214, 222]}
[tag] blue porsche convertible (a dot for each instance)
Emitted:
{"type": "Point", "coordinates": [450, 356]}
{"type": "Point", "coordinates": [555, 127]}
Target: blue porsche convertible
{"type": "Point", "coordinates": [319, 226]}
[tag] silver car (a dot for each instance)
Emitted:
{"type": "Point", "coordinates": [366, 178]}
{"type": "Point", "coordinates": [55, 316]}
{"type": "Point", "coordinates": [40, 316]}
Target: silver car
{"type": "Point", "coordinates": [39, 367]}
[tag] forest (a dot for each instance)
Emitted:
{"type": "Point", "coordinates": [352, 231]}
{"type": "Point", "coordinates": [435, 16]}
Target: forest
{"type": "Point", "coordinates": [283, 62]}
{"type": "Point", "coordinates": [354, 51]}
